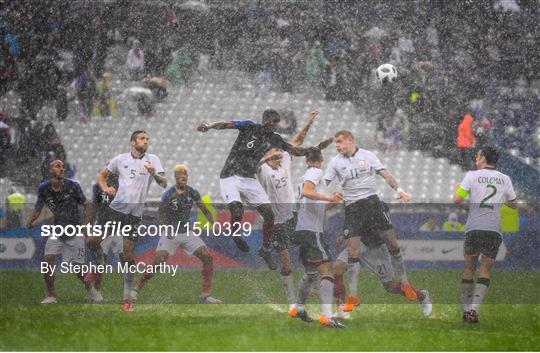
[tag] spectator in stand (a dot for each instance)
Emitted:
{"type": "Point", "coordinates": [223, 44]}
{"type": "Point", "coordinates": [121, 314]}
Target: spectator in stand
{"type": "Point", "coordinates": [453, 224]}
{"type": "Point", "coordinates": [15, 204]}
{"type": "Point", "coordinates": [7, 68]}
{"type": "Point", "coordinates": [158, 86]}
{"type": "Point", "coordinates": [2, 219]}
{"type": "Point", "coordinates": [180, 68]}
{"type": "Point", "coordinates": [430, 225]}
{"type": "Point", "coordinates": [393, 134]}
{"type": "Point", "coordinates": [7, 142]}
{"type": "Point", "coordinates": [105, 104]}
{"type": "Point", "coordinates": [466, 141]}
{"type": "Point", "coordinates": [330, 83]}
{"type": "Point", "coordinates": [315, 66]}
{"type": "Point", "coordinates": [281, 64]}
{"type": "Point", "coordinates": [482, 130]}
{"type": "Point", "coordinates": [135, 61]}
{"type": "Point", "coordinates": [84, 86]}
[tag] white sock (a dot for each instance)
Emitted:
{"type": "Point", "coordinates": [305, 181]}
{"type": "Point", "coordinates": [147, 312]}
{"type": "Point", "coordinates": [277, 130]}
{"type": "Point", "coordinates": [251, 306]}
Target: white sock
{"type": "Point", "coordinates": [354, 270]}
{"type": "Point", "coordinates": [303, 288]}
{"type": "Point", "coordinates": [128, 283]}
{"type": "Point", "coordinates": [288, 286]}
{"type": "Point", "coordinates": [466, 294]}
{"type": "Point", "coordinates": [480, 292]}
{"type": "Point", "coordinates": [327, 295]}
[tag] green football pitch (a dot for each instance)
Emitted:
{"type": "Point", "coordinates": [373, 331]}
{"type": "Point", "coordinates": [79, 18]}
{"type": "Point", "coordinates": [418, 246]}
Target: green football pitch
{"type": "Point", "coordinates": [167, 318]}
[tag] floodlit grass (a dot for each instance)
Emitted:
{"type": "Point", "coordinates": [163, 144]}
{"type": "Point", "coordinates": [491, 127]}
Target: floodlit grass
{"type": "Point", "coordinates": [509, 321]}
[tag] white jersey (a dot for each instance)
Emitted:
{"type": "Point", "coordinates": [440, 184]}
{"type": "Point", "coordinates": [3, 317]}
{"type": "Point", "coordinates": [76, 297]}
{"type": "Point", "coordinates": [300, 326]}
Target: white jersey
{"type": "Point", "coordinates": [133, 182]}
{"type": "Point", "coordinates": [488, 191]}
{"type": "Point", "coordinates": [356, 174]}
{"type": "Point", "coordinates": [311, 212]}
{"type": "Point", "coordinates": [278, 187]}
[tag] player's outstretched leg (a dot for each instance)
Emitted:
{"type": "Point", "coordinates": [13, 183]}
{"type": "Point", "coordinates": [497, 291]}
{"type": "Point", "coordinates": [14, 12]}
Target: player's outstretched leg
{"type": "Point", "coordinates": [159, 258]}
{"type": "Point", "coordinates": [237, 212]}
{"type": "Point", "coordinates": [94, 295]}
{"type": "Point", "coordinates": [339, 268]}
{"type": "Point", "coordinates": [207, 260]}
{"type": "Point", "coordinates": [327, 296]}
{"type": "Point", "coordinates": [397, 263]}
{"type": "Point", "coordinates": [353, 299]}
{"type": "Point", "coordinates": [287, 278]}
{"type": "Point", "coordinates": [304, 288]}
{"type": "Point", "coordinates": [268, 231]}
{"type": "Point", "coordinates": [49, 278]}
{"type": "Point", "coordinates": [422, 296]}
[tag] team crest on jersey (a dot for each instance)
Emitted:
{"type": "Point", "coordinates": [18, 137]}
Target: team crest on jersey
{"type": "Point", "coordinates": [363, 165]}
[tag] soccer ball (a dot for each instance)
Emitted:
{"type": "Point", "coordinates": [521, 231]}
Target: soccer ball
{"type": "Point", "coordinates": [386, 73]}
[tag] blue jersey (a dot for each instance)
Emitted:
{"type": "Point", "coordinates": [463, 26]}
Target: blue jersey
{"type": "Point", "coordinates": [63, 203]}
{"type": "Point", "coordinates": [252, 143]}
{"type": "Point", "coordinates": [176, 207]}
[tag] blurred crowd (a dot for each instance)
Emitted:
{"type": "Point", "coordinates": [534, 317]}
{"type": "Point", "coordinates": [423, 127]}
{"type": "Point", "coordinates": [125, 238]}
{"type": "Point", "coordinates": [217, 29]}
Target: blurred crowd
{"type": "Point", "coordinates": [454, 59]}
{"type": "Point", "coordinates": [470, 63]}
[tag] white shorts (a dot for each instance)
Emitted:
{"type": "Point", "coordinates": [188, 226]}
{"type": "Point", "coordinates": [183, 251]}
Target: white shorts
{"type": "Point", "coordinates": [113, 243]}
{"type": "Point", "coordinates": [71, 249]}
{"type": "Point", "coordinates": [237, 188]}
{"type": "Point", "coordinates": [188, 243]}
{"type": "Point", "coordinates": [376, 259]}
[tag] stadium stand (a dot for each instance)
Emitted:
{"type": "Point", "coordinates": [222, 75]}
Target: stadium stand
{"type": "Point", "coordinates": [174, 139]}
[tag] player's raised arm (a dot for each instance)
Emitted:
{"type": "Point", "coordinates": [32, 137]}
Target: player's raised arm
{"type": "Point", "coordinates": [325, 143]}
{"type": "Point", "coordinates": [394, 184]}
{"type": "Point", "coordinates": [301, 151]}
{"type": "Point", "coordinates": [220, 125]}
{"type": "Point", "coordinates": [273, 154]}
{"type": "Point", "coordinates": [298, 139]}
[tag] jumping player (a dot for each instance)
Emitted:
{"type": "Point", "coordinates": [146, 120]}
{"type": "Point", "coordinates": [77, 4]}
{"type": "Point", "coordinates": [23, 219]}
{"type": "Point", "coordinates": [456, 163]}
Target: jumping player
{"type": "Point", "coordinates": [62, 196]}
{"type": "Point", "coordinates": [135, 171]}
{"type": "Point", "coordinates": [237, 179]}
{"type": "Point", "coordinates": [487, 189]}
{"type": "Point", "coordinates": [355, 168]}
{"type": "Point", "coordinates": [174, 210]}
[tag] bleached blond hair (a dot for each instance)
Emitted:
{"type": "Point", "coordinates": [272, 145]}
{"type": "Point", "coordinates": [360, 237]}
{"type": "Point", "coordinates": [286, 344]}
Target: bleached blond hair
{"type": "Point", "coordinates": [181, 168]}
